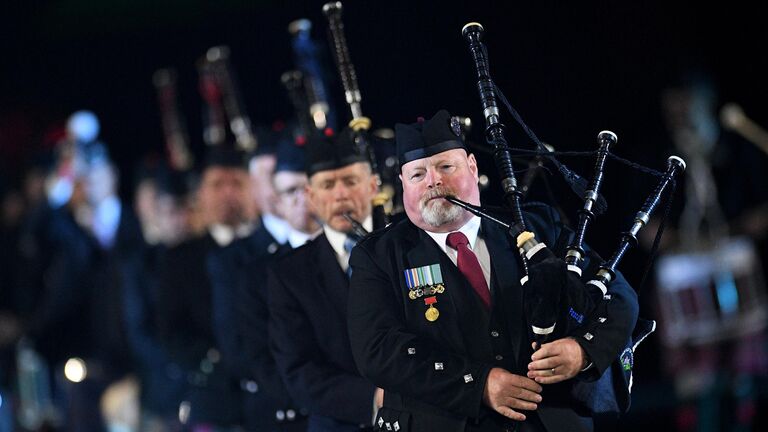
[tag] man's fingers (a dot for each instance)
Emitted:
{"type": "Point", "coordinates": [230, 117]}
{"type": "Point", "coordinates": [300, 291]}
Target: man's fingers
{"type": "Point", "coordinates": [547, 363]}
{"type": "Point", "coordinates": [526, 383]}
{"type": "Point", "coordinates": [546, 350]}
{"type": "Point", "coordinates": [520, 404]}
{"type": "Point", "coordinates": [542, 373]}
{"type": "Point", "coordinates": [524, 395]}
{"type": "Point", "coordinates": [510, 413]}
{"type": "Point", "coordinates": [551, 379]}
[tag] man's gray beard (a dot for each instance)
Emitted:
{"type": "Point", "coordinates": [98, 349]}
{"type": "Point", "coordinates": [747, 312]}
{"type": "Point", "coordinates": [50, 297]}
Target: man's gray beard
{"type": "Point", "coordinates": [437, 214]}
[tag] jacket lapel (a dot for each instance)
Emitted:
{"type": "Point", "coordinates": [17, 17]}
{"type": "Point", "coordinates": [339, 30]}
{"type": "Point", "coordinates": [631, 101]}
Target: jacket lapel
{"type": "Point", "coordinates": [332, 280]}
{"type": "Point", "coordinates": [505, 281]}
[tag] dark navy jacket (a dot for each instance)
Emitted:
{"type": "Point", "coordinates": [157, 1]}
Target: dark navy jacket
{"type": "Point", "coordinates": [434, 372]}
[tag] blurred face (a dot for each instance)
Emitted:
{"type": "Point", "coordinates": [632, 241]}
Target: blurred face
{"type": "Point", "coordinates": [426, 181]}
{"type": "Point", "coordinates": [171, 219]}
{"type": "Point", "coordinates": [225, 196]}
{"type": "Point", "coordinates": [292, 204]}
{"type": "Point", "coordinates": [145, 201]}
{"type": "Point", "coordinates": [345, 190]}
{"type": "Point", "coordinates": [261, 169]}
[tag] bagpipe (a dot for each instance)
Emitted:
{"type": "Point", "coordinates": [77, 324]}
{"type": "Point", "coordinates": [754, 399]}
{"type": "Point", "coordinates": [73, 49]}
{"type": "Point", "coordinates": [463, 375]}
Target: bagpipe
{"type": "Point", "coordinates": [365, 139]}
{"type": "Point", "coordinates": [308, 57]}
{"type": "Point", "coordinates": [559, 294]}
{"type": "Point", "coordinates": [172, 120]}
{"type": "Point", "coordinates": [220, 91]}
{"type": "Point", "coordinates": [307, 89]}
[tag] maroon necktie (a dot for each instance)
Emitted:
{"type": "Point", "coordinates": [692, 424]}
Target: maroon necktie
{"type": "Point", "coordinates": [469, 266]}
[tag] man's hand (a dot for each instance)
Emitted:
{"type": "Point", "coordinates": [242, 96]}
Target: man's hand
{"type": "Point", "coordinates": [378, 397]}
{"type": "Point", "coordinates": [557, 361]}
{"type": "Point", "coordinates": [506, 392]}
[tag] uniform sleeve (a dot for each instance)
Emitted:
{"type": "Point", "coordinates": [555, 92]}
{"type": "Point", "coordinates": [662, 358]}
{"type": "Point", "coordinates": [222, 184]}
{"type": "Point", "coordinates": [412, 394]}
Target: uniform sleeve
{"type": "Point", "coordinates": [251, 321]}
{"type": "Point", "coordinates": [398, 360]}
{"type": "Point", "coordinates": [222, 271]}
{"type": "Point", "coordinates": [609, 328]}
{"type": "Point", "coordinates": [323, 388]}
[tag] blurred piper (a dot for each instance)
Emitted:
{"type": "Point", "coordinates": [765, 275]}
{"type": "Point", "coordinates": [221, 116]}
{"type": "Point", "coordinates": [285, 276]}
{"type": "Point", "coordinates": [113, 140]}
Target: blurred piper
{"type": "Point", "coordinates": [240, 301]}
{"type": "Point", "coordinates": [184, 312]}
{"type": "Point", "coordinates": [307, 293]}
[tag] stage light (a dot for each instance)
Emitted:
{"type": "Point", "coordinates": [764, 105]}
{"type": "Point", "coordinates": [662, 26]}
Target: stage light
{"type": "Point", "coordinates": [75, 370]}
{"type": "Point", "coordinates": [83, 126]}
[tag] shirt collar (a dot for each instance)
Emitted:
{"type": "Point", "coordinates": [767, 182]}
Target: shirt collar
{"type": "Point", "coordinates": [470, 229]}
{"type": "Point", "coordinates": [224, 234]}
{"type": "Point", "coordinates": [336, 238]}
{"type": "Point", "coordinates": [276, 226]}
{"type": "Point", "coordinates": [297, 238]}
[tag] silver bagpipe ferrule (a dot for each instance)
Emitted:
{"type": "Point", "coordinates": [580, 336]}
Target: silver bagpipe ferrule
{"type": "Point", "coordinates": [602, 280]}
{"type": "Point", "coordinates": [576, 256]}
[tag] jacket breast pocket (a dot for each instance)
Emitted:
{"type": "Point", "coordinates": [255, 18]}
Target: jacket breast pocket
{"type": "Point", "coordinates": [391, 420]}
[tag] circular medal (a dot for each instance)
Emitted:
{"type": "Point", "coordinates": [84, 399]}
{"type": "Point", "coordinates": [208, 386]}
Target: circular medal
{"type": "Point", "coordinates": [432, 313]}
{"type": "Point", "coordinates": [412, 294]}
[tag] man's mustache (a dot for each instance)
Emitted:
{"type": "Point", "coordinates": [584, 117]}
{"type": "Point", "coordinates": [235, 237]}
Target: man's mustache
{"type": "Point", "coordinates": [438, 192]}
{"type": "Point", "coordinates": [340, 211]}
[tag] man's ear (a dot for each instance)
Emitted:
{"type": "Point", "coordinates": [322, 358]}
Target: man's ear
{"type": "Point", "coordinates": [310, 192]}
{"type": "Point", "coordinates": [375, 180]}
{"type": "Point", "coordinates": [472, 163]}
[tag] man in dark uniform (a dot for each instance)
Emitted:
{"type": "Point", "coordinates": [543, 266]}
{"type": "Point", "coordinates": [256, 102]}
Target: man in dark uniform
{"type": "Point", "coordinates": [184, 308]}
{"type": "Point", "coordinates": [308, 293]}
{"type": "Point", "coordinates": [436, 310]}
{"type": "Point", "coordinates": [158, 218]}
{"type": "Point", "coordinates": [239, 301]}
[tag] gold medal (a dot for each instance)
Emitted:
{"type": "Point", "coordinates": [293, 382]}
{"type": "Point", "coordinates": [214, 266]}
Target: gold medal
{"type": "Point", "coordinates": [412, 294]}
{"type": "Point", "coordinates": [432, 314]}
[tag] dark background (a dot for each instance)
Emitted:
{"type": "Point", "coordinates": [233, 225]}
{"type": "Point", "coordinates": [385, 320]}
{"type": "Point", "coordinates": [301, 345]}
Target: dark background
{"type": "Point", "coordinates": [570, 68]}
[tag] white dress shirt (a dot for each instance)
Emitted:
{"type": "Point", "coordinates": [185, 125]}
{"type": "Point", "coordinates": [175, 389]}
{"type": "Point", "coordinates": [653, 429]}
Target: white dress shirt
{"type": "Point", "coordinates": [471, 229]}
{"type": "Point", "coordinates": [337, 238]}
{"type": "Point", "coordinates": [276, 226]}
{"type": "Point", "coordinates": [297, 238]}
{"type": "Point", "coordinates": [224, 234]}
